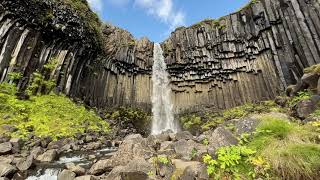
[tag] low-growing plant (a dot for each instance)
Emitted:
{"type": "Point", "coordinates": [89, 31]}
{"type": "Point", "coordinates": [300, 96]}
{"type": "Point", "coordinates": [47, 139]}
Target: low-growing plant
{"type": "Point", "coordinates": [302, 95]}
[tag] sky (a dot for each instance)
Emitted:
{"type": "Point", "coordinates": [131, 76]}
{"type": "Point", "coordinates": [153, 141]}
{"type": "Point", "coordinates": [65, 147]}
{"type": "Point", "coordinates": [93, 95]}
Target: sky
{"type": "Point", "coordinates": [156, 19]}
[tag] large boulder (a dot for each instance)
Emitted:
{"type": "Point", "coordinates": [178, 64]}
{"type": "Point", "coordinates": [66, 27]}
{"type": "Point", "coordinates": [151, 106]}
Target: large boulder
{"type": "Point", "coordinates": [35, 152]}
{"type": "Point", "coordinates": [101, 167]}
{"type": "Point", "coordinates": [6, 170]}
{"type": "Point", "coordinates": [311, 80]}
{"type": "Point", "coordinates": [181, 165]}
{"type": "Point", "coordinates": [221, 137]}
{"type": "Point", "coordinates": [304, 108]}
{"type": "Point", "coordinates": [6, 159]}
{"type": "Point", "coordinates": [137, 169]}
{"type": "Point", "coordinates": [246, 125]}
{"type": "Point", "coordinates": [188, 150]}
{"type": "Point", "coordinates": [66, 175]}
{"type": "Point", "coordinates": [186, 135]}
{"type": "Point", "coordinates": [25, 164]}
{"type": "Point", "coordinates": [195, 172]}
{"type": "Point", "coordinates": [48, 156]}
{"type": "Point", "coordinates": [5, 148]}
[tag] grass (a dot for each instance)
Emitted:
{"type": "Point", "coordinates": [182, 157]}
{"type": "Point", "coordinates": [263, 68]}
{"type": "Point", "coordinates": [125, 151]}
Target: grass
{"type": "Point", "coordinates": [46, 115]}
{"type": "Point", "coordinates": [290, 148]}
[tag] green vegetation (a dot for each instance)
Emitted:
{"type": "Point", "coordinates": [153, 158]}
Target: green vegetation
{"type": "Point", "coordinates": [161, 160]}
{"type": "Point", "coordinates": [313, 69]}
{"type": "Point", "coordinates": [194, 122]}
{"type": "Point", "coordinates": [302, 95]}
{"type": "Point", "coordinates": [126, 115]}
{"type": "Point", "coordinates": [278, 148]}
{"type": "Point", "coordinates": [46, 115]}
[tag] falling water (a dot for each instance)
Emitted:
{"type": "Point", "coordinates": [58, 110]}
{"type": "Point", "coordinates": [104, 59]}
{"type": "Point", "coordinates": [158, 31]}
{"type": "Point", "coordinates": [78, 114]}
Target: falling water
{"type": "Point", "coordinates": [162, 108]}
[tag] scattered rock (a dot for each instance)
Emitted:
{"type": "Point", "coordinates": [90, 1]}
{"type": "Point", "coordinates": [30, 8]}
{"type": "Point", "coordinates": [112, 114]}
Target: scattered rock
{"type": "Point", "coordinates": [6, 160]}
{"type": "Point", "coordinates": [183, 135]}
{"type": "Point", "coordinates": [311, 80]}
{"type": "Point", "coordinates": [246, 125]}
{"type": "Point", "coordinates": [66, 175]}
{"type": "Point", "coordinates": [45, 141]}
{"type": "Point", "coordinates": [16, 144]}
{"type": "Point", "coordinates": [5, 148]}
{"type": "Point", "coordinates": [48, 156]}
{"type": "Point", "coordinates": [25, 164]}
{"type": "Point", "coordinates": [181, 165]}
{"type": "Point", "coordinates": [6, 170]}
{"type": "Point", "coordinates": [93, 145]}
{"type": "Point", "coordinates": [188, 150]}
{"type": "Point", "coordinates": [195, 172]}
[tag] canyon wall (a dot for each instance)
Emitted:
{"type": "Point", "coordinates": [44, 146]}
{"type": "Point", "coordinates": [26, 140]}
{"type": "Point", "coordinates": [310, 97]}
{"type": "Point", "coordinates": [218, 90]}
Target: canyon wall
{"type": "Point", "coordinates": [247, 56]}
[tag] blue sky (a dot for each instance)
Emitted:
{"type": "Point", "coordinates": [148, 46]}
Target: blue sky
{"type": "Point", "coordinates": [156, 19]}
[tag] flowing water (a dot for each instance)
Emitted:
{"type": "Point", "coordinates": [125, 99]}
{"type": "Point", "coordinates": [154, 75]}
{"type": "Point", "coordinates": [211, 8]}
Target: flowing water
{"type": "Point", "coordinates": [162, 108]}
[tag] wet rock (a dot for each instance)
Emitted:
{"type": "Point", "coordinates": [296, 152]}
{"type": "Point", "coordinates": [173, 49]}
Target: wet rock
{"type": "Point", "coordinates": [56, 144]}
{"type": "Point", "coordinates": [78, 170]}
{"type": "Point", "coordinates": [48, 156]}
{"type": "Point", "coordinates": [5, 148]}
{"type": "Point", "coordinates": [25, 164]}
{"type": "Point", "coordinates": [304, 108]}
{"type": "Point", "coordinates": [7, 170]}
{"type": "Point", "coordinates": [66, 175]}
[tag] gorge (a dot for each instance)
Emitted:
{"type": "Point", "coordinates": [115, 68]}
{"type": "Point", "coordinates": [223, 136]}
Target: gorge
{"type": "Point", "coordinates": [231, 98]}
{"type": "Point", "coordinates": [264, 46]}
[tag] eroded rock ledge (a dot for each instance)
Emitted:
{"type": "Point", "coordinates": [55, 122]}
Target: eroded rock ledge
{"type": "Point", "coordinates": [248, 56]}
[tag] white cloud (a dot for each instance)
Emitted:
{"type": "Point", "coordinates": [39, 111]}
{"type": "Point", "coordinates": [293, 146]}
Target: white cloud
{"type": "Point", "coordinates": [96, 5]}
{"type": "Point", "coordinates": [164, 10]}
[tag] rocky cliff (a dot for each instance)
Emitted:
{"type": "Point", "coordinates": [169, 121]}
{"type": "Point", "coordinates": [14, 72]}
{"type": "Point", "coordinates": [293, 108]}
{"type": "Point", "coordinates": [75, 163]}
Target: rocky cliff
{"type": "Point", "coordinates": [247, 56]}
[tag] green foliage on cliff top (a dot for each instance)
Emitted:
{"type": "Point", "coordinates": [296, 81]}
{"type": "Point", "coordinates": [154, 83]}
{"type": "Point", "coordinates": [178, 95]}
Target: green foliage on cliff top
{"type": "Point", "coordinates": [313, 69]}
{"type": "Point", "coordinates": [47, 115]}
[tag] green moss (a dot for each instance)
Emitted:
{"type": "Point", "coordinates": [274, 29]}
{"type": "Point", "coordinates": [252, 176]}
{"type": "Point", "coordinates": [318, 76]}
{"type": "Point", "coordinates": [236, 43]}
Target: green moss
{"type": "Point", "coordinates": [47, 115]}
{"type": "Point", "coordinates": [313, 69]}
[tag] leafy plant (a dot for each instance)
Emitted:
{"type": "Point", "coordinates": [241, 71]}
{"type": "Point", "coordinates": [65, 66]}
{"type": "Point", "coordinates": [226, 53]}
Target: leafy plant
{"type": "Point", "coordinates": [205, 142]}
{"type": "Point", "coordinates": [193, 153]}
{"type": "Point", "coordinates": [13, 76]}
{"type": "Point", "coordinates": [302, 95]}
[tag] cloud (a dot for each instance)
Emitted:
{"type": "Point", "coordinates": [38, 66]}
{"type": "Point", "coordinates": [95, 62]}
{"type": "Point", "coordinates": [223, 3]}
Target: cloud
{"type": "Point", "coordinates": [96, 5]}
{"type": "Point", "coordinates": [164, 10]}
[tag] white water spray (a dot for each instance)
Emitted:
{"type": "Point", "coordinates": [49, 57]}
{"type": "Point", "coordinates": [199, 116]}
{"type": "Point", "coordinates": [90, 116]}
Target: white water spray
{"type": "Point", "coordinates": [162, 108]}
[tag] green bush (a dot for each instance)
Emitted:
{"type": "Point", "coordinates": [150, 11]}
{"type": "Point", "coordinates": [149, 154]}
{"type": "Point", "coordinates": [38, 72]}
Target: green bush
{"type": "Point", "coordinates": [302, 95]}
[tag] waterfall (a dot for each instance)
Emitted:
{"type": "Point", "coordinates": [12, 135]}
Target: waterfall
{"type": "Point", "coordinates": [162, 108]}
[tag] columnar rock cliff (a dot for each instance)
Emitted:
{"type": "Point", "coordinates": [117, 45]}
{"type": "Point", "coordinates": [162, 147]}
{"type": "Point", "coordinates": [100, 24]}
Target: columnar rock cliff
{"type": "Point", "coordinates": [248, 56]}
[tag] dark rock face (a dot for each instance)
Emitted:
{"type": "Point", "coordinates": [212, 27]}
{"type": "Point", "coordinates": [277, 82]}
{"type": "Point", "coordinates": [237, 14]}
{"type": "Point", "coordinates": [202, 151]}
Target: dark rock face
{"type": "Point", "coordinates": [248, 56]}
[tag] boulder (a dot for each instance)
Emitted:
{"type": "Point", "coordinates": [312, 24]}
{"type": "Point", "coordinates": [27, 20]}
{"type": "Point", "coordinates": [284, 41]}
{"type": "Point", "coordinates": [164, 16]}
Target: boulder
{"type": "Point", "coordinates": [6, 159]}
{"type": "Point", "coordinates": [246, 125]}
{"type": "Point", "coordinates": [25, 164]}
{"type": "Point", "coordinates": [195, 172]}
{"type": "Point", "coordinates": [304, 108]}
{"type": "Point", "coordinates": [186, 135]}
{"type": "Point", "coordinates": [76, 169]}
{"type": "Point", "coordinates": [188, 150]}
{"type": "Point", "coordinates": [221, 137]}
{"type": "Point", "coordinates": [3, 178]}
{"type": "Point", "coordinates": [6, 170]}
{"type": "Point", "coordinates": [48, 156]}
{"type": "Point", "coordinates": [16, 144]}
{"type": "Point", "coordinates": [45, 141]}
{"type": "Point", "coordinates": [93, 145]}
{"type": "Point", "coordinates": [137, 169]}
{"type": "Point", "coordinates": [66, 175]}
{"type": "Point", "coordinates": [5, 148]}
{"type": "Point", "coordinates": [311, 80]}
{"type": "Point", "coordinates": [35, 152]}
{"type": "Point", "coordinates": [181, 165]}
{"type": "Point", "coordinates": [88, 177]}
{"type": "Point", "coordinates": [101, 167]}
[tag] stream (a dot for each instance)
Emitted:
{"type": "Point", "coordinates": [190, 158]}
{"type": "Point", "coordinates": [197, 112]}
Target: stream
{"type": "Point", "coordinates": [50, 171]}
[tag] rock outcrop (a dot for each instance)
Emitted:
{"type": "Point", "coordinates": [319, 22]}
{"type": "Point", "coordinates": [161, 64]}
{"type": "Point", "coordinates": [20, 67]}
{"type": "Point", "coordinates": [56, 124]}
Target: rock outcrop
{"type": "Point", "coordinates": [247, 56]}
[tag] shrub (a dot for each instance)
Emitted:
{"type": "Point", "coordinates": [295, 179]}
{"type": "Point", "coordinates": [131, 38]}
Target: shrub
{"type": "Point", "coordinates": [191, 123]}
{"type": "Point", "coordinates": [302, 95]}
